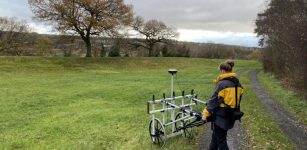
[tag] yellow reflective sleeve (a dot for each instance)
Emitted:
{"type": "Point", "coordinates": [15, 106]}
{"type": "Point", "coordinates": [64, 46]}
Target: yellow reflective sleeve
{"type": "Point", "coordinates": [206, 113]}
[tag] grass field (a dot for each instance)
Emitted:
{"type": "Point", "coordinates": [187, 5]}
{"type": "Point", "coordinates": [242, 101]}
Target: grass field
{"type": "Point", "coordinates": [87, 103]}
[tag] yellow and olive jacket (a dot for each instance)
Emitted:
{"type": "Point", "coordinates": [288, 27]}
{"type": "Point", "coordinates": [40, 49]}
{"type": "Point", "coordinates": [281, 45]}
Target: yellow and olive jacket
{"type": "Point", "coordinates": [224, 96]}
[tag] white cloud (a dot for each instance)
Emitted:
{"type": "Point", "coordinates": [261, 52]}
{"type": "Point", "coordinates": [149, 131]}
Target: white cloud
{"type": "Point", "coordinates": [233, 38]}
{"type": "Point", "coordinates": [41, 28]}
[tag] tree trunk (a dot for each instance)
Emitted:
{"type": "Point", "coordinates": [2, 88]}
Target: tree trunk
{"type": "Point", "coordinates": [88, 47]}
{"type": "Point", "coordinates": [150, 50]}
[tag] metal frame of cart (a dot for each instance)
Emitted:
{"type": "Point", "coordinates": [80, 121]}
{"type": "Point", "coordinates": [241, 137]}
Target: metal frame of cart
{"type": "Point", "coordinates": [181, 123]}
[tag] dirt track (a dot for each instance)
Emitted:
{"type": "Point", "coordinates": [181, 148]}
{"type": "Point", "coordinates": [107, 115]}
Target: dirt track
{"type": "Point", "coordinates": [285, 120]}
{"type": "Point", "coordinates": [235, 137]}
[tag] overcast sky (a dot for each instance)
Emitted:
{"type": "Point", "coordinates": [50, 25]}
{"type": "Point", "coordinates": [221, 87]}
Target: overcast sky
{"type": "Point", "coordinates": [218, 21]}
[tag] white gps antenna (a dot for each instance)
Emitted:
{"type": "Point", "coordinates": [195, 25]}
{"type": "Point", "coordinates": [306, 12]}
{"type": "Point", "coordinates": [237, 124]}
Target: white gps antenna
{"type": "Point", "coordinates": [172, 72]}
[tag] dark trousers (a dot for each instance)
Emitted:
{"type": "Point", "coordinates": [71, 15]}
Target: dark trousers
{"type": "Point", "coordinates": [218, 140]}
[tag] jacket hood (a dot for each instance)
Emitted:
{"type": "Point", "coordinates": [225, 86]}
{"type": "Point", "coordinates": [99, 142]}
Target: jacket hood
{"type": "Point", "coordinates": [223, 76]}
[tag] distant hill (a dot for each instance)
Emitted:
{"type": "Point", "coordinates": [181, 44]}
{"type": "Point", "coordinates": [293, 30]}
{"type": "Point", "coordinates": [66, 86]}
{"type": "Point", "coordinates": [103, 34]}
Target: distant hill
{"type": "Point", "coordinates": [64, 45]}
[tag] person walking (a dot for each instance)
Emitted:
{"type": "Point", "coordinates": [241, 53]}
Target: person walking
{"type": "Point", "coordinates": [223, 109]}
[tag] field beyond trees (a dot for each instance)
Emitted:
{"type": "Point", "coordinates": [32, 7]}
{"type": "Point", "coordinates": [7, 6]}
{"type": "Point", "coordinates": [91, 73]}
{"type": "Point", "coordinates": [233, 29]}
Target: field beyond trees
{"type": "Point", "coordinates": [86, 103]}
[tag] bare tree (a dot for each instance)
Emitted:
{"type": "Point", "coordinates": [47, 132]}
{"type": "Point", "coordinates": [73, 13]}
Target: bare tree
{"type": "Point", "coordinates": [282, 31]}
{"type": "Point", "coordinates": [84, 17]}
{"type": "Point", "coordinates": [153, 32]}
{"type": "Point", "coordinates": [13, 35]}
{"type": "Point", "coordinates": [43, 46]}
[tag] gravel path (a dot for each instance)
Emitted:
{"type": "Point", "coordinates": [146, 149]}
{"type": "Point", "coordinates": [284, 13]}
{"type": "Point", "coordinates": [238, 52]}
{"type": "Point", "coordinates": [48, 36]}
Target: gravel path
{"type": "Point", "coordinates": [285, 120]}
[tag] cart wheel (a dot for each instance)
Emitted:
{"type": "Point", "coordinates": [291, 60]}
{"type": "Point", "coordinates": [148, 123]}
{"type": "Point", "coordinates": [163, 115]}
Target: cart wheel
{"type": "Point", "coordinates": [182, 123]}
{"type": "Point", "coordinates": [158, 137]}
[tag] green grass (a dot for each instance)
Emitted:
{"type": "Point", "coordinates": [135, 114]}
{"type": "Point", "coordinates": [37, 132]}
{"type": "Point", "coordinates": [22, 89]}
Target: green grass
{"type": "Point", "coordinates": [288, 99]}
{"type": "Point", "coordinates": [261, 129]}
{"type": "Point", "coordinates": [94, 103]}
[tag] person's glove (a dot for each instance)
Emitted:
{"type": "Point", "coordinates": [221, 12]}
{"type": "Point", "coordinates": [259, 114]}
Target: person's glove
{"type": "Point", "coordinates": [198, 116]}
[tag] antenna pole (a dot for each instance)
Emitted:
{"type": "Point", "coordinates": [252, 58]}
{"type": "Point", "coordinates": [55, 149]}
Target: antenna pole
{"type": "Point", "coordinates": [172, 72]}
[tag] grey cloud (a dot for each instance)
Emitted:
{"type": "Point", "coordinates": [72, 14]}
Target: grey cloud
{"type": "Point", "coordinates": [16, 8]}
{"type": "Point", "coordinates": [216, 15]}
{"type": "Point", "coordinates": [219, 15]}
